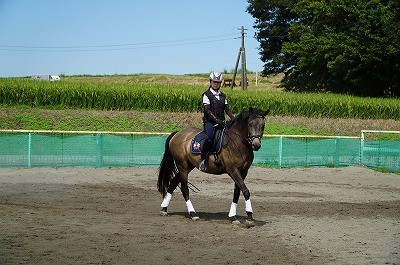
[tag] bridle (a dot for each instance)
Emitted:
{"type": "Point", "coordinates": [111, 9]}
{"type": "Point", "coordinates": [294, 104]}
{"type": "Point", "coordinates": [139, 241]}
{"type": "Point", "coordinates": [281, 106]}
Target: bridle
{"type": "Point", "coordinates": [250, 138]}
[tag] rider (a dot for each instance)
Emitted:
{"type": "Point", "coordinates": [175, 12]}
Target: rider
{"type": "Point", "coordinates": [215, 107]}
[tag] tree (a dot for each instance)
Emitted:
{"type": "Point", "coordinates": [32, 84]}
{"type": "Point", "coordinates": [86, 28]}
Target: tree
{"type": "Point", "coordinates": [272, 25]}
{"type": "Point", "coordinates": [343, 46]}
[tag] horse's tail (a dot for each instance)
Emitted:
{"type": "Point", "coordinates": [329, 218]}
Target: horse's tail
{"type": "Point", "coordinates": [167, 168]}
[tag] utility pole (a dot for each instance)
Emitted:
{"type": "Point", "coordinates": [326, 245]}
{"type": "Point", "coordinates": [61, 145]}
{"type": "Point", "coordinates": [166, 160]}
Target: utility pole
{"type": "Point", "coordinates": [242, 53]}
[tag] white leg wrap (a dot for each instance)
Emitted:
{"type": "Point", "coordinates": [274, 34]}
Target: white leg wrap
{"type": "Point", "coordinates": [189, 206]}
{"type": "Point", "coordinates": [232, 211]}
{"type": "Point", "coordinates": [248, 206]}
{"type": "Point", "coordinates": [166, 200]}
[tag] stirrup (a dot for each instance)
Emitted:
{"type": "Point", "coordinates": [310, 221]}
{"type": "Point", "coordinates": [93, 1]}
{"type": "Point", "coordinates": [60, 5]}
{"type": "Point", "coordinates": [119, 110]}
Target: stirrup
{"type": "Point", "coordinates": [202, 165]}
{"type": "Point", "coordinates": [218, 162]}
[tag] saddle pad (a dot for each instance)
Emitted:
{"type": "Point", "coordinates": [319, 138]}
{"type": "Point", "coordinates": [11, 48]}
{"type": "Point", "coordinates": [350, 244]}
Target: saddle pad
{"type": "Point", "coordinates": [198, 141]}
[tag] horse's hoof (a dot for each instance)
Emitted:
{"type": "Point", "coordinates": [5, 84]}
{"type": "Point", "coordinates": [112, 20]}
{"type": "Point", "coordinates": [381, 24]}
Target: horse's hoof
{"type": "Point", "coordinates": [194, 216]}
{"type": "Point", "coordinates": [234, 220]}
{"type": "Point", "coordinates": [163, 211]}
{"type": "Point", "coordinates": [249, 222]}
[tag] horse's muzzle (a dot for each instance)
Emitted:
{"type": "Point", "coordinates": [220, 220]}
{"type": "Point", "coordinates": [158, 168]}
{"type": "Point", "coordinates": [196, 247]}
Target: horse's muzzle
{"type": "Point", "coordinates": [254, 141]}
{"type": "Point", "coordinates": [256, 144]}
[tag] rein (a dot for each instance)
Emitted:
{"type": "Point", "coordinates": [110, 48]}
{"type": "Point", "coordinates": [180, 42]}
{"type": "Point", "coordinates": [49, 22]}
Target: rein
{"type": "Point", "coordinates": [227, 132]}
{"type": "Point", "coordinates": [250, 138]}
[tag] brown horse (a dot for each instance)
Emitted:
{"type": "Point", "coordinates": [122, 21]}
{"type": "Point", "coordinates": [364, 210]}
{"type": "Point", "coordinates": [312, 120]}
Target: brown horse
{"type": "Point", "coordinates": [242, 137]}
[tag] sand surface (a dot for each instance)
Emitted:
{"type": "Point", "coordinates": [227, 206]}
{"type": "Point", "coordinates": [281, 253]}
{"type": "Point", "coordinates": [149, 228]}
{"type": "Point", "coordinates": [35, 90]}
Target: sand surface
{"type": "Point", "coordinates": [111, 216]}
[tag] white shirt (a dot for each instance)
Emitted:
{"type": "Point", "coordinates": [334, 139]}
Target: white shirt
{"type": "Point", "coordinates": [206, 101]}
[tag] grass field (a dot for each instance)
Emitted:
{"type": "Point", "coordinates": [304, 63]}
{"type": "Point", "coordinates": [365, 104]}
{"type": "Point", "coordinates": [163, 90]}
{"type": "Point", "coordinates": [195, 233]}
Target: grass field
{"type": "Point", "coordinates": [286, 118]}
{"type": "Point", "coordinates": [24, 117]}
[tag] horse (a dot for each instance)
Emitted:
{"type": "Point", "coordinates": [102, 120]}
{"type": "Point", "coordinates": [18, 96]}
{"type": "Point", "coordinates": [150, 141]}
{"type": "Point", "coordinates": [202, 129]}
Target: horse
{"type": "Point", "coordinates": [242, 136]}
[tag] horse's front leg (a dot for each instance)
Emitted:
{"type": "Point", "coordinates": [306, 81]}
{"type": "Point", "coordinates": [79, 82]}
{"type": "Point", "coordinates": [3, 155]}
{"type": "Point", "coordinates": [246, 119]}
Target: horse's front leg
{"type": "Point", "coordinates": [233, 211]}
{"type": "Point", "coordinates": [240, 186]}
{"type": "Point", "coordinates": [185, 192]}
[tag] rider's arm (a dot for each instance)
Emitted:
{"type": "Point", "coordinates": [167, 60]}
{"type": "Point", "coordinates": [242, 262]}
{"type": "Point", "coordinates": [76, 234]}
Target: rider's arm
{"type": "Point", "coordinates": [229, 112]}
{"type": "Point", "coordinates": [207, 108]}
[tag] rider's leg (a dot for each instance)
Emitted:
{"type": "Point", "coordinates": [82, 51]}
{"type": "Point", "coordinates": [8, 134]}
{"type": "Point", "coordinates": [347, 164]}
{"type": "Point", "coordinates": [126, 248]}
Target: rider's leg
{"type": "Point", "coordinates": [205, 152]}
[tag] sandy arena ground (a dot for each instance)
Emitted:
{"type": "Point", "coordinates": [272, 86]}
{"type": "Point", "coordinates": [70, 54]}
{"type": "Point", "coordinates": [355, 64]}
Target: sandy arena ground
{"type": "Point", "coordinates": [111, 216]}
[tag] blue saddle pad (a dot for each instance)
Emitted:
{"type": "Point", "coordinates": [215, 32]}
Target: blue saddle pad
{"type": "Point", "coordinates": [198, 142]}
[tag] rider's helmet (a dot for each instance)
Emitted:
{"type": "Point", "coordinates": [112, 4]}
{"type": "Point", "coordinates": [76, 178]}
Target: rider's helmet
{"type": "Point", "coordinates": [216, 76]}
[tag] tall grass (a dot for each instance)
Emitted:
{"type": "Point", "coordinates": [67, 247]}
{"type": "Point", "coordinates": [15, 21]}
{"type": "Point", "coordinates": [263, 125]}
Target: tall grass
{"type": "Point", "coordinates": [186, 98]}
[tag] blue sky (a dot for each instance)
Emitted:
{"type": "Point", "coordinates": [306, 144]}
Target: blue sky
{"type": "Point", "coordinates": [123, 37]}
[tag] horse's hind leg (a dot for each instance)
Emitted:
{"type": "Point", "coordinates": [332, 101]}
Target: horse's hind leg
{"type": "Point", "coordinates": [185, 192]}
{"type": "Point", "coordinates": [172, 186]}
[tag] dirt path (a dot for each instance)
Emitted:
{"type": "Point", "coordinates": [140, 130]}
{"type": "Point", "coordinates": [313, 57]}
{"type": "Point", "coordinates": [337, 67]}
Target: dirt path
{"type": "Point", "coordinates": [111, 216]}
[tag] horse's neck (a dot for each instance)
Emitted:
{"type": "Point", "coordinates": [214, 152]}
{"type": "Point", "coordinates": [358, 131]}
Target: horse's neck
{"type": "Point", "coordinates": [241, 131]}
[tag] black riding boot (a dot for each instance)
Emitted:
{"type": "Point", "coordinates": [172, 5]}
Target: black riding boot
{"type": "Point", "coordinates": [205, 151]}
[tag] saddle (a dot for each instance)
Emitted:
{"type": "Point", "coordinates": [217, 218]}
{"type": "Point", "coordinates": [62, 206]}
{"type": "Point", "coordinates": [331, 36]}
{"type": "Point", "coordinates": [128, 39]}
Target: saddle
{"type": "Point", "coordinates": [198, 142]}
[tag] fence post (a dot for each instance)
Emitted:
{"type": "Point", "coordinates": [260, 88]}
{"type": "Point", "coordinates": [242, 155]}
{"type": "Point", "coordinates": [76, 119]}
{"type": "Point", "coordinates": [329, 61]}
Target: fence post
{"type": "Point", "coordinates": [337, 152]}
{"type": "Point", "coordinates": [29, 149]}
{"type": "Point", "coordinates": [362, 147]}
{"type": "Point", "coordinates": [99, 157]}
{"type": "Point", "coordinates": [280, 151]}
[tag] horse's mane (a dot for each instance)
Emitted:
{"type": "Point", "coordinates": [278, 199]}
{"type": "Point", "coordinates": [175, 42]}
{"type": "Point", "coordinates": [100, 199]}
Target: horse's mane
{"type": "Point", "coordinates": [243, 116]}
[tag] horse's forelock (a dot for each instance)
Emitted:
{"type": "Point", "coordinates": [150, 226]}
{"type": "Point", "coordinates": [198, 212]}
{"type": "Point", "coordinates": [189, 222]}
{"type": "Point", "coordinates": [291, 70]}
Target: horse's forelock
{"type": "Point", "coordinates": [257, 113]}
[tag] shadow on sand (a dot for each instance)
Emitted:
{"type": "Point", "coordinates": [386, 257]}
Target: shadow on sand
{"type": "Point", "coordinates": [221, 217]}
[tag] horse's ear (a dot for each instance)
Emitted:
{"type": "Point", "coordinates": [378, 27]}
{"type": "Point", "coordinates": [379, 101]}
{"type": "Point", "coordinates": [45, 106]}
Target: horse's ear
{"type": "Point", "coordinates": [265, 113]}
{"type": "Point", "coordinates": [251, 110]}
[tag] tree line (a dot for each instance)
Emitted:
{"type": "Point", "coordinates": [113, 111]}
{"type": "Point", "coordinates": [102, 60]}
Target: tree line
{"type": "Point", "coordinates": [339, 46]}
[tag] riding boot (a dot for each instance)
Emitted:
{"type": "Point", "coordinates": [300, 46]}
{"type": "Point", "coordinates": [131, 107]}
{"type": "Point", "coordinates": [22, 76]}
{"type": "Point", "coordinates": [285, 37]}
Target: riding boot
{"type": "Point", "coordinates": [205, 151]}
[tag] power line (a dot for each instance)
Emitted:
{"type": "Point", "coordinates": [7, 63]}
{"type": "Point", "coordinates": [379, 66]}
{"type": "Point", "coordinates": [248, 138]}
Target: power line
{"type": "Point", "coordinates": [117, 47]}
{"type": "Point", "coordinates": [114, 45]}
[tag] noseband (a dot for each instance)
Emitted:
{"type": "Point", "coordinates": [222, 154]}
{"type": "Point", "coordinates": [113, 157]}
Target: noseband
{"type": "Point", "coordinates": [251, 138]}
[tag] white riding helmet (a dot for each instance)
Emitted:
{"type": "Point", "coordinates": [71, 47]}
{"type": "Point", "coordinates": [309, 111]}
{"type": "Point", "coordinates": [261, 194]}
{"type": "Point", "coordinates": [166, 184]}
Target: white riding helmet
{"type": "Point", "coordinates": [216, 76]}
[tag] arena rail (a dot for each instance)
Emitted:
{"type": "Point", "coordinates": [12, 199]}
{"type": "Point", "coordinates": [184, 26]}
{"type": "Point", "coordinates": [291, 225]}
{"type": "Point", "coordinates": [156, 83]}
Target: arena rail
{"type": "Point", "coordinates": [57, 148]}
{"type": "Point", "coordinates": [376, 152]}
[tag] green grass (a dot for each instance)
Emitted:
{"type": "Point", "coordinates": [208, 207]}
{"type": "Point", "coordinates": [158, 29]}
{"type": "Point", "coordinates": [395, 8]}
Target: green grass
{"type": "Point", "coordinates": [186, 98]}
{"type": "Point", "coordinates": [167, 93]}
{"type": "Point", "coordinates": [27, 118]}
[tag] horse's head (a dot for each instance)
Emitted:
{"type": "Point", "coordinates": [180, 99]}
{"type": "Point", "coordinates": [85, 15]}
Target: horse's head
{"type": "Point", "coordinates": [255, 126]}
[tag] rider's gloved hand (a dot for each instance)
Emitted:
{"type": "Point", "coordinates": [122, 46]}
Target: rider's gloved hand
{"type": "Point", "coordinates": [220, 122]}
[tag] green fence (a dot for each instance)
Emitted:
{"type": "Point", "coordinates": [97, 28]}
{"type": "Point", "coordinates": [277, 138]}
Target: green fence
{"type": "Point", "coordinates": [286, 151]}
{"type": "Point", "coordinates": [96, 149]}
